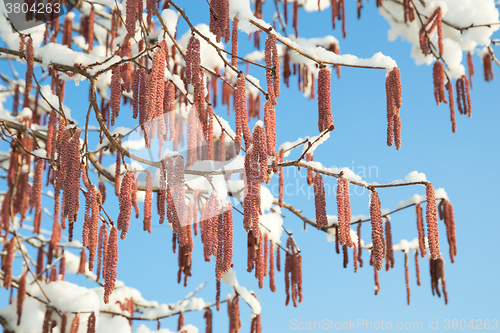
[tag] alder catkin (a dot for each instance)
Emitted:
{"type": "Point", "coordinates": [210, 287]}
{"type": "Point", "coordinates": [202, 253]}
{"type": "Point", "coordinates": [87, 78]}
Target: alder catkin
{"type": "Point", "coordinates": [7, 262]}
{"type": "Point", "coordinates": [432, 224]}
{"type": "Point", "coordinates": [449, 87]}
{"type": "Point", "coordinates": [407, 278]}
{"type": "Point", "coordinates": [101, 248]}
{"type": "Point", "coordinates": [21, 294]}
{"type": "Point", "coordinates": [389, 255]}
{"type": "Point", "coordinates": [320, 202]}
{"type": "Point", "coordinates": [36, 189]}
{"type": "Point", "coordinates": [438, 79]}
{"type": "Point", "coordinates": [75, 324]}
{"type": "Point", "coordinates": [123, 220]}
{"type": "Point", "coordinates": [234, 43]}
{"type": "Point", "coordinates": [83, 261]}
{"type": "Point", "coordinates": [488, 70]}
{"type": "Point", "coordinates": [111, 263]}
{"type": "Point", "coordinates": [378, 248]}
{"type": "Point", "coordinates": [420, 228]}
{"type": "Point", "coordinates": [91, 323]}
{"type": "Point", "coordinates": [360, 260]}
{"type": "Point", "coordinates": [470, 66]}
{"type": "Point", "coordinates": [325, 118]}
{"type": "Point", "coordinates": [30, 58]}
{"type": "Point", "coordinates": [115, 94]}
{"type": "Point", "coordinates": [148, 202]}
{"type": "Point", "coordinates": [208, 320]}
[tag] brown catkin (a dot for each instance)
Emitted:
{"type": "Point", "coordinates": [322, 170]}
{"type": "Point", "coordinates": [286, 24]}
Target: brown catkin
{"type": "Point", "coordinates": [320, 202]}
{"type": "Point", "coordinates": [420, 228]}
{"type": "Point", "coordinates": [180, 321]}
{"type": "Point", "coordinates": [83, 261]}
{"type": "Point", "coordinates": [272, 283]}
{"type": "Point", "coordinates": [90, 32]}
{"type": "Point", "coordinates": [432, 224]}
{"type": "Point", "coordinates": [7, 263]}
{"type": "Point", "coordinates": [407, 278]}
{"type": "Point", "coordinates": [75, 324]}
{"type": "Point", "coordinates": [101, 248]}
{"type": "Point", "coordinates": [310, 173]}
{"type": "Point", "coordinates": [438, 79]}
{"type": "Point", "coordinates": [345, 255]}
{"type": "Point", "coordinates": [359, 245]}
{"type": "Point", "coordinates": [30, 58]}
{"type": "Point", "coordinates": [208, 320]}
{"type": "Point", "coordinates": [91, 323]}
{"type": "Point", "coordinates": [377, 284]}
{"type": "Point", "coordinates": [21, 294]}
{"type": "Point", "coordinates": [378, 248]}
{"type": "Point", "coordinates": [389, 255]}
{"type": "Point", "coordinates": [234, 43]}
{"type": "Point", "coordinates": [36, 189]}
{"type": "Point", "coordinates": [115, 94]}
{"type": "Point", "coordinates": [470, 67]}
{"type": "Point", "coordinates": [125, 204]}
{"type": "Point", "coordinates": [325, 118]}
{"type": "Point", "coordinates": [488, 70]}
{"type": "Point", "coordinates": [449, 87]}
{"type": "Point", "coordinates": [111, 264]}
{"type": "Point", "coordinates": [417, 269]}
{"type": "Point", "coordinates": [148, 202]}
{"type": "Point", "coordinates": [281, 178]}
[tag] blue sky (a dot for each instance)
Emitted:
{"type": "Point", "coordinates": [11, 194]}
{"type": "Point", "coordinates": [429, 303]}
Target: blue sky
{"type": "Point", "coordinates": [465, 164]}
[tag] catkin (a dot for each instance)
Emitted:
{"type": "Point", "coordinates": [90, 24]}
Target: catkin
{"type": "Point", "coordinates": [30, 58]}
{"type": "Point", "coordinates": [378, 249]}
{"type": "Point", "coordinates": [438, 76]}
{"type": "Point", "coordinates": [432, 224]}
{"type": "Point", "coordinates": [320, 202]}
{"type": "Point", "coordinates": [111, 263]}
{"type": "Point", "coordinates": [389, 255]}
{"type": "Point", "coordinates": [123, 220]}
{"type": "Point", "coordinates": [487, 67]}
{"type": "Point", "coordinates": [449, 87]}
{"type": "Point", "coordinates": [36, 189]}
{"type": "Point", "coordinates": [21, 294]}
{"type": "Point", "coordinates": [148, 202]}
{"type": "Point", "coordinates": [325, 118]}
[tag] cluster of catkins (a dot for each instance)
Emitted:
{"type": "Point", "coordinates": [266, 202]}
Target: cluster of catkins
{"type": "Point", "coordinates": [49, 324]}
{"type": "Point", "coordinates": [438, 71]}
{"type": "Point", "coordinates": [382, 245]}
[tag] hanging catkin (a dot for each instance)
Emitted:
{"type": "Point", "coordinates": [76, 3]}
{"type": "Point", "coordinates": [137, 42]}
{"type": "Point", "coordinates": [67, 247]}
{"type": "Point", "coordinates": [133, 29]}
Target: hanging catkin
{"type": "Point", "coordinates": [389, 255]}
{"type": "Point", "coordinates": [111, 263]}
{"type": "Point", "coordinates": [378, 248]}
{"type": "Point", "coordinates": [116, 94]}
{"type": "Point", "coordinates": [148, 202]}
{"type": "Point", "coordinates": [438, 79]}
{"type": "Point", "coordinates": [344, 212]}
{"type": "Point", "coordinates": [29, 65]}
{"type": "Point", "coordinates": [125, 199]}
{"type": "Point", "coordinates": [420, 228]}
{"type": "Point", "coordinates": [21, 294]}
{"type": "Point", "coordinates": [101, 249]}
{"type": "Point", "coordinates": [234, 43]}
{"type": "Point", "coordinates": [325, 118]}
{"type": "Point", "coordinates": [407, 278]}
{"type": "Point", "coordinates": [394, 103]}
{"type": "Point", "coordinates": [488, 70]}
{"type": "Point", "coordinates": [7, 261]}
{"type": "Point", "coordinates": [432, 224]}
{"type": "Point", "coordinates": [449, 87]}
{"type": "Point", "coordinates": [320, 202]}
{"type": "Point", "coordinates": [36, 189]}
